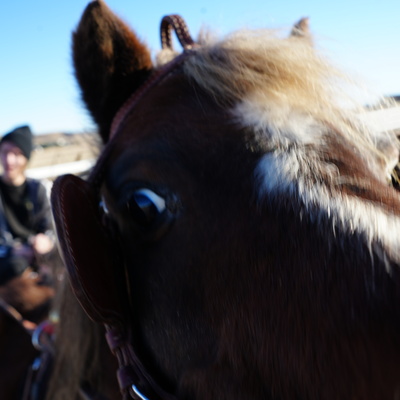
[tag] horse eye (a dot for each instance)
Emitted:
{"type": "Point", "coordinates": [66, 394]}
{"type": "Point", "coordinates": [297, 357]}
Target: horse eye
{"type": "Point", "coordinates": [145, 206]}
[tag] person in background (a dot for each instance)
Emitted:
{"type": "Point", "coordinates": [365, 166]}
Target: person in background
{"type": "Point", "coordinates": [26, 231]}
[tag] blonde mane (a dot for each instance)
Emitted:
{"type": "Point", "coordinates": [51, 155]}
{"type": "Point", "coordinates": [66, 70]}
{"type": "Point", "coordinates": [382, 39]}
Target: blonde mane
{"type": "Point", "coordinates": [273, 83]}
{"type": "Point", "coordinates": [286, 71]}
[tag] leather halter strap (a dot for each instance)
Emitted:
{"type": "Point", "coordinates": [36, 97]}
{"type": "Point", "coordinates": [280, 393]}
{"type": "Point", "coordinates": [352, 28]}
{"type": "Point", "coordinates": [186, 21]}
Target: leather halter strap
{"type": "Point", "coordinates": [16, 316]}
{"type": "Point", "coordinates": [132, 375]}
{"type": "Point", "coordinates": [153, 80]}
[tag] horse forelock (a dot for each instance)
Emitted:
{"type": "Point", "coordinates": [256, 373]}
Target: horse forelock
{"type": "Point", "coordinates": [283, 86]}
{"type": "Point", "coordinates": [285, 72]}
{"type": "Point", "coordinates": [300, 177]}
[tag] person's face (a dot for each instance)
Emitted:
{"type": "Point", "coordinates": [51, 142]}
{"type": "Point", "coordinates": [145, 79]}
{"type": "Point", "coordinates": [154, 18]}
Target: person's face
{"type": "Point", "coordinates": [12, 160]}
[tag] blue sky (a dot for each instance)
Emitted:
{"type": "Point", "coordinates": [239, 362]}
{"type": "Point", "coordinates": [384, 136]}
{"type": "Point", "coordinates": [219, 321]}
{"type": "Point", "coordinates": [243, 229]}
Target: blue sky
{"type": "Point", "coordinates": [36, 78]}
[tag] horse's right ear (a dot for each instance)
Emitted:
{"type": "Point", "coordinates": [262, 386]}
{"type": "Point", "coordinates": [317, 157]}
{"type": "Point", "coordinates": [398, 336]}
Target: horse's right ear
{"type": "Point", "coordinates": [110, 63]}
{"type": "Point", "coordinates": [302, 30]}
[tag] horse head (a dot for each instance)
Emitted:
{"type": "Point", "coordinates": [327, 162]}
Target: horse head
{"type": "Point", "coordinates": [247, 220]}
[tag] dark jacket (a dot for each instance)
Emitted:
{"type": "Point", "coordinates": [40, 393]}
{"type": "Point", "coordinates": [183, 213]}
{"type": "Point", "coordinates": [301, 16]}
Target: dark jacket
{"type": "Point", "coordinates": [37, 219]}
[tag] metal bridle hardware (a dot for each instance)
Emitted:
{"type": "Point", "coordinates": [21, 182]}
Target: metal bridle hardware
{"type": "Point", "coordinates": [138, 393]}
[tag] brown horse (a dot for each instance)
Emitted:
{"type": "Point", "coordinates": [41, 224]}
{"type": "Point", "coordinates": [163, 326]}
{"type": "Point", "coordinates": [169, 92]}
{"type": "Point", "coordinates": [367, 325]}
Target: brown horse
{"type": "Point", "coordinates": [24, 303]}
{"type": "Point", "coordinates": [249, 244]}
{"type": "Point", "coordinates": [16, 353]}
{"type": "Point", "coordinates": [29, 296]}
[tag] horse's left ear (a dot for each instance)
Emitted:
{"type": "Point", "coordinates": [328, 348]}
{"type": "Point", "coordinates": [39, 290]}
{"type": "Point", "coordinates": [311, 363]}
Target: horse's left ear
{"type": "Point", "coordinates": [110, 63]}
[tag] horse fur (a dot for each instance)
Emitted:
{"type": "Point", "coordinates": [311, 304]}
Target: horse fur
{"type": "Point", "coordinates": [279, 276]}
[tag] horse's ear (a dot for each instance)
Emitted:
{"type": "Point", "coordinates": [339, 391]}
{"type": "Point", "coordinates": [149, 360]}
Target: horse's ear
{"type": "Point", "coordinates": [110, 63]}
{"type": "Point", "coordinates": [302, 30]}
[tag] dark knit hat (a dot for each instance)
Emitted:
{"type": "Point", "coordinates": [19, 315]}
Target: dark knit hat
{"type": "Point", "coordinates": [22, 138]}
